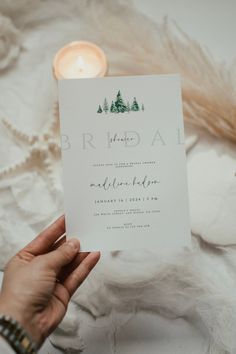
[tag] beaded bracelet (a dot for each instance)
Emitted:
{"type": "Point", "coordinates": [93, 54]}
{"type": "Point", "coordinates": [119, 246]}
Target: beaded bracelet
{"type": "Point", "coordinates": [16, 336]}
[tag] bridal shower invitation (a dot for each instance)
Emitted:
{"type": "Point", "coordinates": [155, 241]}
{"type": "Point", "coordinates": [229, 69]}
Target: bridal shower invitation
{"type": "Point", "coordinates": [124, 163]}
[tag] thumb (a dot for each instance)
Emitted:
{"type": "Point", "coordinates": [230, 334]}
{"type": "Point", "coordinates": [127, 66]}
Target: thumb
{"type": "Point", "coordinates": [62, 255]}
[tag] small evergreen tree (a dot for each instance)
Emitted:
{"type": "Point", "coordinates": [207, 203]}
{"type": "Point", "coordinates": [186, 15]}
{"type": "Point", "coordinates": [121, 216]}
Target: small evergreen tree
{"type": "Point", "coordinates": [119, 103]}
{"type": "Point", "coordinates": [128, 107]}
{"type": "Point", "coordinates": [99, 109]}
{"type": "Point", "coordinates": [142, 107]}
{"type": "Point", "coordinates": [112, 108]}
{"type": "Point", "coordinates": [135, 106]}
{"type": "Point", "coordinates": [105, 106]}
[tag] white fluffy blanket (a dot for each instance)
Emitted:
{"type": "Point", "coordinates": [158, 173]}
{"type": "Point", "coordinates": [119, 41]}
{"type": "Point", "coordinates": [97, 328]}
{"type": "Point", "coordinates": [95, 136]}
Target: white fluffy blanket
{"type": "Point", "coordinates": [195, 283]}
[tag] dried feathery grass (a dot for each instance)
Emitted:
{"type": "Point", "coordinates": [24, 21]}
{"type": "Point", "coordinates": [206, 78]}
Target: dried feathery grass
{"type": "Point", "coordinates": [208, 87]}
{"type": "Point", "coordinates": [209, 94]}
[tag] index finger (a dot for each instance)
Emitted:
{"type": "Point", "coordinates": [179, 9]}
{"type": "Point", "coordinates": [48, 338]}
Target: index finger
{"type": "Point", "coordinates": [44, 241]}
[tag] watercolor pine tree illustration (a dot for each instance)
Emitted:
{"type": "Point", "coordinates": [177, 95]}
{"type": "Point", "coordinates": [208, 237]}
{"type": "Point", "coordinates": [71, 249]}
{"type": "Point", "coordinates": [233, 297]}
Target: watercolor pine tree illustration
{"type": "Point", "coordinates": [105, 106]}
{"type": "Point", "coordinates": [135, 106]}
{"type": "Point", "coordinates": [112, 108]}
{"type": "Point", "coordinates": [118, 105]}
{"type": "Point", "coordinates": [99, 109]}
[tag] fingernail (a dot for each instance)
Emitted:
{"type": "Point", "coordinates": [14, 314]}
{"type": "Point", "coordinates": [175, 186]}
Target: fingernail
{"type": "Point", "coordinates": [73, 242]}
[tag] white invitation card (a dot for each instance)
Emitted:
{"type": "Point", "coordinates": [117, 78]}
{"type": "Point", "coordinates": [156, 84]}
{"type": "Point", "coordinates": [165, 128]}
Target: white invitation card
{"type": "Point", "coordinates": [124, 163]}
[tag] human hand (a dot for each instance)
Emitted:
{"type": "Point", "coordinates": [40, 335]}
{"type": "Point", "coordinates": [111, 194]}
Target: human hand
{"type": "Point", "coordinates": [40, 279]}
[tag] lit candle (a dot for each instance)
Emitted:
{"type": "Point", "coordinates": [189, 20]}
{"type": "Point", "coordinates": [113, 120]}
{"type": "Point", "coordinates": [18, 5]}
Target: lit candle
{"type": "Point", "coordinates": [79, 60]}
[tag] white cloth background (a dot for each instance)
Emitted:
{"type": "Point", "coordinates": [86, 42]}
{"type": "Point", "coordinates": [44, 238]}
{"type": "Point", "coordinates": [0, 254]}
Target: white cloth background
{"type": "Point", "coordinates": [167, 303]}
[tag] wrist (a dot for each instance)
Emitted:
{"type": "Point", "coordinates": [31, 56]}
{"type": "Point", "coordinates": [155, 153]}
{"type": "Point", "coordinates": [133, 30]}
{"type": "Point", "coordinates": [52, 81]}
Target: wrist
{"type": "Point", "coordinates": [16, 336]}
{"type": "Point", "coordinates": [23, 318]}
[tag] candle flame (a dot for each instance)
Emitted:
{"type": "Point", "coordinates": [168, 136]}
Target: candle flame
{"type": "Point", "coordinates": [80, 63]}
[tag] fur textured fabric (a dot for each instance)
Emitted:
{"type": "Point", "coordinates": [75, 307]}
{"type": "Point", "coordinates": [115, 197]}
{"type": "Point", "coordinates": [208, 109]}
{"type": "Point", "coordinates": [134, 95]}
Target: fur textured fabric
{"type": "Point", "coordinates": [198, 282]}
{"type": "Point", "coordinates": [183, 285]}
{"type": "Point", "coordinates": [9, 42]}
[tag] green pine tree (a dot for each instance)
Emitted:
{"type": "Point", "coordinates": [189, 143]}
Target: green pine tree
{"type": "Point", "coordinates": [99, 109]}
{"type": "Point", "coordinates": [112, 108]}
{"type": "Point", "coordinates": [105, 106]}
{"type": "Point", "coordinates": [128, 107]}
{"type": "Point", "coordinates": [135, 106]}
{"type": "Point", "coordinates": [119, 103]}
{"type": "Point", "coordinates": [142, 107]}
